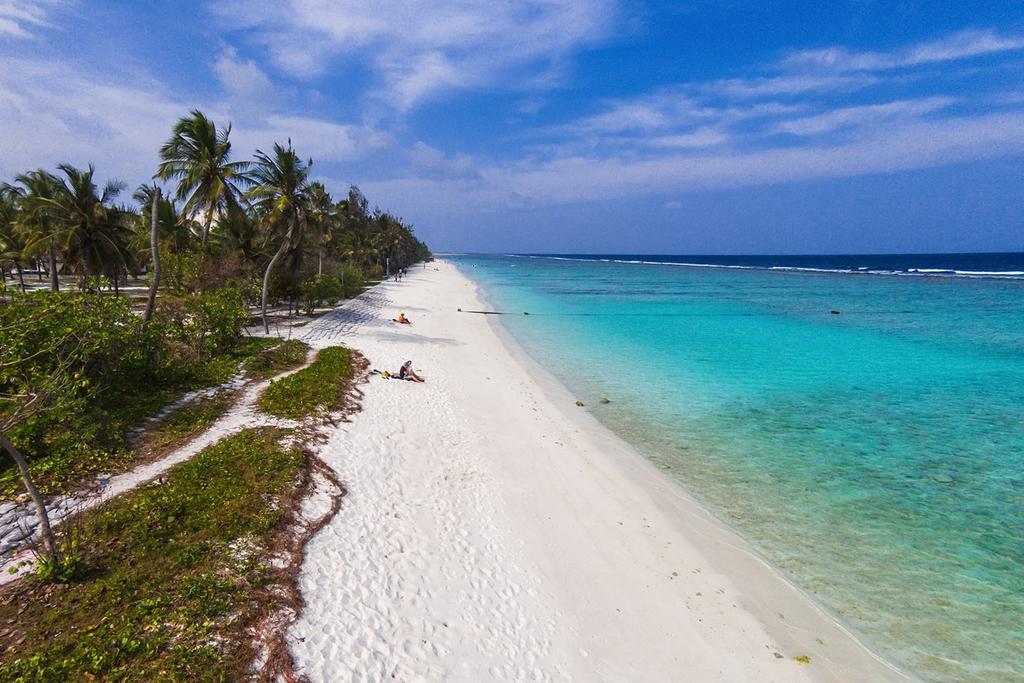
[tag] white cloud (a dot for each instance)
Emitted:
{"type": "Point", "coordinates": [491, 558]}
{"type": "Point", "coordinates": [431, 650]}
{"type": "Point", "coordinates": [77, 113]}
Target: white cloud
{"type": "Point", "coordinates": [53, 114]}
{"type": "Point", "coordinates": [906, 146]}
{"type": "Point", "coordinates": [417, 48]}
{"type": "Point", "coordinates": [701, 137]}
{"type": "Point", "coordinates": [241, 78]}
{"type": "Point", "coordinates": [962, 45]}
{"type": "Point", "coordinates": [871, 113]}
{"type": "Point", "coordinates": [809, 94]}
{"type": "Point", "coordinates": [18, 18]}
{"type": "Point", "coordinates": [431, 162]}
{"type": "Point", "coordinates": [788, 85]}
{"type": "Point", "coordinates": [642, 115]}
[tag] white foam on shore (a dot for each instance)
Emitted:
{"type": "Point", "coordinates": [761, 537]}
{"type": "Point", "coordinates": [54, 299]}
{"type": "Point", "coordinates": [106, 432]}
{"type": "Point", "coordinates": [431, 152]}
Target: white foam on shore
{"type": "Point", "coordinates": [494, 531]}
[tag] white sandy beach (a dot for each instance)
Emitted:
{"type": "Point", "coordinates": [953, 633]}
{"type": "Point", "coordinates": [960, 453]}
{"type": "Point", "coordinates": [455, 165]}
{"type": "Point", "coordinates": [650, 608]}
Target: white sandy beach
{"type": "Point", "coordinates": [495, 531]}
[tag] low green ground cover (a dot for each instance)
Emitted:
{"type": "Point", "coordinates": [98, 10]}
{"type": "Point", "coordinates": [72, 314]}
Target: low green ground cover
{"type": "Point", "coordinates": [285, 356]}
{"type": "Point", "coordinates": [321, 386]}
{"type": "Point", "coordinates": [69, 446]}
{"type": "Point", "coordinates": [173, 577]}
{"type": "Point", "coordinates": [186, 422]}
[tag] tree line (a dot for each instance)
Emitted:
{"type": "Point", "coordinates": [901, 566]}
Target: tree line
{"type": "Point", "coordinates": [261, 219]}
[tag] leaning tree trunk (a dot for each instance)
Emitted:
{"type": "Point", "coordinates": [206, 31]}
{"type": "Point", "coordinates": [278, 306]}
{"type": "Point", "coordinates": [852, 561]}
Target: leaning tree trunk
{"type": "Point", "coordinates": [49, 542]}
{"type": "Point", "coordinates": [54, 282]}
{"type": "Point", "coordinates": [206, 226]}
{"type": "Point", "coordinates": [266, 279]}
{"type": "Point", "coordinates": [155, 247]}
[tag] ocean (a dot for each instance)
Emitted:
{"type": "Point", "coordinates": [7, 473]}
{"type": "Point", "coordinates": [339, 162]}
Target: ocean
{"type": "Point", "coordinates": [859, 419]}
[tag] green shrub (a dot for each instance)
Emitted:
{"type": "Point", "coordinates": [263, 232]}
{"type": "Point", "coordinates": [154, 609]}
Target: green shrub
{"type": "Point", "coordinates": [353, 281]}
{"type": "Point", "coordinates": [321, 289]}
{"type": "Point", "coordinates": [207, 323]}
{"type": "Point", "coordinates": [100, 374]}
{"type": "Point", "coordinates": [217, 319]}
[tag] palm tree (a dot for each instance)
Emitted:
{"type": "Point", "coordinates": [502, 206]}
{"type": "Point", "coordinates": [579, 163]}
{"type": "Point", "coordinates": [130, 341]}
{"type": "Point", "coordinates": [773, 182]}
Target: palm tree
{"type": "Point", "coordinates": [239, 232]}
{"type": "Point", "coordinates": [11, 246]}
{"type": "Point", "coordinates": [281, 196]}
{"type": "Point", "coordinates": [37, 220]}
{"type": "Point", "coordinates": [96, 232]}
{"type": "Point", "coordinates": [198, 156]}
{"type": "Point", "coordinates": [172, 229]}
{"type": "Point", "coordinates": [321, 213]}
{"type": "Point", "coordinates": [154, 245]}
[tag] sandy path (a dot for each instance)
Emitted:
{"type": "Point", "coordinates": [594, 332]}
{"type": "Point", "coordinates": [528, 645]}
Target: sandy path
{"type": "Point", "coordinates": [494, 531]}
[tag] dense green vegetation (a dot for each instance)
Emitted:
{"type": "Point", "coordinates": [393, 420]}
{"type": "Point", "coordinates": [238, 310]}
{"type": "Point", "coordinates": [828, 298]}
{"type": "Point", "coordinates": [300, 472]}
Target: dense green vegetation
{"type": "Point", "coordinates": [87, 372]}
{"type": "Point", "coordinates": [79, 366]}
{"type": "Point", "coordinates": [321, 386]}
{"type": "Point", "coordinates": [172, 578]}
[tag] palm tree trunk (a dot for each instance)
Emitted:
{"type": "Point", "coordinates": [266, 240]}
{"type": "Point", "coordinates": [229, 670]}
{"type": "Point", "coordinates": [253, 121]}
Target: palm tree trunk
{"type": "Point", "coordinates": [155, 247]}
{"type": "Point", "coordinates": [49, 542]}
{"type": "Point", "coordinates": [54, 281]}
{"type": "Point", "coordinates": [206, 226]}
{"type": "Point", "coordinates": [266, 279]}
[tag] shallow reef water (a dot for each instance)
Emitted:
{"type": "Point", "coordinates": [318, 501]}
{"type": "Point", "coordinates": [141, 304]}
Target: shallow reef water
{"type": "Point", "coordinates": [865, 432]}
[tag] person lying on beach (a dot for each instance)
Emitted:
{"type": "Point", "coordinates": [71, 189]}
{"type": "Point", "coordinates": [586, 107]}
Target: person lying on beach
{"type": "Point", "coordinates": [407, 373]}
{"type": "Point", "coordinates": [402, 319]}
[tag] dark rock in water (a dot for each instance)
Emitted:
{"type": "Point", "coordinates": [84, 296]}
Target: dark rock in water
{"type": "Point", "coordinates": [460, 310]}
{"type": "Point", "coordinates": [944, 478]}
{"type": "Point", "coordinates": [835, 312]}
{"type": "Point", "coordinates": [605, 400]}
{"type": "Point", "coordinates": [526, 313]}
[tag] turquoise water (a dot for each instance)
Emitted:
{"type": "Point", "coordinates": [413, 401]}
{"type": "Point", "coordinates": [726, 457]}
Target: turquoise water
{"type": "Point", "coordinates": [876, 457]}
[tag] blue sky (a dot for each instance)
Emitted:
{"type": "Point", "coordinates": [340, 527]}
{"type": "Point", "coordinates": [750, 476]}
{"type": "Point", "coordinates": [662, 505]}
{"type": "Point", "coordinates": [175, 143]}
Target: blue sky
{"type": "Point", "coordinates": [549, 125]}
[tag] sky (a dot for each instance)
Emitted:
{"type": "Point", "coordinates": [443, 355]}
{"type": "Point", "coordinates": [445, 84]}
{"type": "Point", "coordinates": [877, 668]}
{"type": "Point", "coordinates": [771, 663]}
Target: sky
{"type": "Point", "coordinates": [564, 126]}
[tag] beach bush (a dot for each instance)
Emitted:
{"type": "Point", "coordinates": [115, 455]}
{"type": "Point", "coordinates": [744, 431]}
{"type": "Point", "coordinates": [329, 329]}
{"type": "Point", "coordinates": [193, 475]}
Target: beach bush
{"type": "Point", "coordinates": [77, 371]}
{"type": "Point", "coordinates": [321, 386]}
{"type": "Point", "coordinates": [319, 290]}
{"type": "Point", "coordinates": [204, 323]}
{"type": "Point", "coordinates": [353, 282]}
{"type": "Point", "coordinates": [173, 575]}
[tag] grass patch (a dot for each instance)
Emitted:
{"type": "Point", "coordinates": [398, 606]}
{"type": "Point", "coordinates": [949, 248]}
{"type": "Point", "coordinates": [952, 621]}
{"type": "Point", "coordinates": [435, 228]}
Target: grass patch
{"type": "Point", "coordinates": [184, 423]}
{"type": "Point", "coordinates": [287, 355]}
{"type": "Point", "coordinates": [173, 575]}
{"type": "Point", "coordinates": [97, 441]}
{"type": "Point", "coordinates": [321, 386]}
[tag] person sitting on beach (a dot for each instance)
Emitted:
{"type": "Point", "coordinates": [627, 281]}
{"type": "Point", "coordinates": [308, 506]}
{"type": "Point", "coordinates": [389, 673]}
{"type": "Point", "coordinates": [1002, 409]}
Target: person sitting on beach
{"type": "Point", "coordinates": [407, 373]}
{"type": "Point", "coordinates": [402, 319]}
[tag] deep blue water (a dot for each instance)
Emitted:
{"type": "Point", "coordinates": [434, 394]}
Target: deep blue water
{"type": "Point", "coordinates": [876, 455]}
